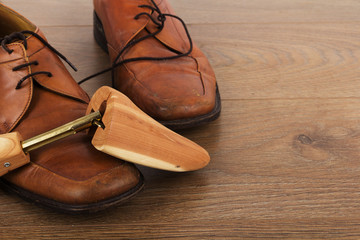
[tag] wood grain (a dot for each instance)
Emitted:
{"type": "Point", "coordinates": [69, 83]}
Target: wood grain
{"type": "Point", "coordinates": [79, 12]}
{"type": "Point", "coordinates": [285, 151]}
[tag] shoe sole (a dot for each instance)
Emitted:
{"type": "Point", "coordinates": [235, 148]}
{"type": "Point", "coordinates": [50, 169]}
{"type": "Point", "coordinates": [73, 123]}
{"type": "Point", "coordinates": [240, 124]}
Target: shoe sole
{"type": "Point", "coordinates": [100, 38]}
{"type": "Point", "coordinates": [68, 208]}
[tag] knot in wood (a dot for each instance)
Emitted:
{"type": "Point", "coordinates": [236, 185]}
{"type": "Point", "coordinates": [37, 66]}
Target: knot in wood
{"type": "Point", "coordinates": [305, 139]}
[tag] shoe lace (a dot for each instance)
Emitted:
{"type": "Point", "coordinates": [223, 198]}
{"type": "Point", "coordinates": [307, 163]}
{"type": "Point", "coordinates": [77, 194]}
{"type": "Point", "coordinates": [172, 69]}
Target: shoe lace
{"type": "Point", "coordinates": [21, 36]}
{"type": "Point", "coordinates": [160, 22]}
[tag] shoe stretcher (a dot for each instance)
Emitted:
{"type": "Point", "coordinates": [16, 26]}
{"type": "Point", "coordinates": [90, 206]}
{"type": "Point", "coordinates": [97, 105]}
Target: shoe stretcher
{"type": "Point", "coordinates": [120, 129]}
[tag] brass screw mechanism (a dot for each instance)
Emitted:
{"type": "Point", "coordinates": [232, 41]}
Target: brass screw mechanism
{"type": "Point", "coordinates": [93, 119]}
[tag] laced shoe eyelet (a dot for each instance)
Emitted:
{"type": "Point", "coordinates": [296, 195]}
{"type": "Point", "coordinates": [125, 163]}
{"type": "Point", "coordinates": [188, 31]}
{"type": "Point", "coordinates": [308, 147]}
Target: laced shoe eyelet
{"type": "Point", "coordinates": [21, 36]}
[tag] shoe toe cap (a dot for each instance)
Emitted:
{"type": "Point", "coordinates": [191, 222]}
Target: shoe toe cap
{"type": "Point", "coordinates": [73, 172]}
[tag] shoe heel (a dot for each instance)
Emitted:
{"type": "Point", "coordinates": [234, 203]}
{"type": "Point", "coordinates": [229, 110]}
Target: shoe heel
{"type": "Point", "coordinates": [99, 33]}
{"type": "Point", "coordinates": [133, 136]}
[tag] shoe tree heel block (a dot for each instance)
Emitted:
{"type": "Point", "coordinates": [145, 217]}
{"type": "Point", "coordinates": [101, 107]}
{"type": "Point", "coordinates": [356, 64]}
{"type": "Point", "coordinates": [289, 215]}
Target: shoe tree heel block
{"type": "Point", "coordinates": [132, 135]}
{"type": "Point", "coordinates": [12, 155]}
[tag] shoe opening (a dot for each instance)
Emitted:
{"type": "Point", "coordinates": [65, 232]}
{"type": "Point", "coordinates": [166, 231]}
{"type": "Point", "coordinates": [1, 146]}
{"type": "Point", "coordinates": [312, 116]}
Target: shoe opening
{"type": "Point", "coordinates": [10, 22]}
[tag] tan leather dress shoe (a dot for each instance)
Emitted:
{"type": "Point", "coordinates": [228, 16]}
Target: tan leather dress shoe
{"type": "Point", "coordinates": [156, 64]}
{"type": "Point", "coordinates": [37, 94]}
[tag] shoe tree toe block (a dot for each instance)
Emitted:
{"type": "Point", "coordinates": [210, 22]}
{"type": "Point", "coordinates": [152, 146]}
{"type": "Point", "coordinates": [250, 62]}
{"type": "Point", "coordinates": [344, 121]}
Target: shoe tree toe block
{"type": "Point", "coordinates": [132, 135]}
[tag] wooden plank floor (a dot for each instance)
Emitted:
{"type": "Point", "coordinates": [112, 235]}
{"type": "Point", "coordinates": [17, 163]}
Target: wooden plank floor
{"type": "Point", "coordinates": [285, 151]}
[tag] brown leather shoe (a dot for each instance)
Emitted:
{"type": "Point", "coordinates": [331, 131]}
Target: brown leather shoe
{"type": "Point", "coordinates": [160, 69]}
{"type": "Point", "coordinates": [37, 94]}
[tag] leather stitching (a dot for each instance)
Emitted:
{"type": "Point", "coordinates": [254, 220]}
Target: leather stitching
{"type": "Point", "coordinates": [26, 59]}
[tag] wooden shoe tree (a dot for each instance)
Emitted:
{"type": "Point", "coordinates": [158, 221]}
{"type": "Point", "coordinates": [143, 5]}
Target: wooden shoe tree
{"type": "Point", "coordinates": [124, 132]}
{"type": "Point", "coordinates": [132, 135]}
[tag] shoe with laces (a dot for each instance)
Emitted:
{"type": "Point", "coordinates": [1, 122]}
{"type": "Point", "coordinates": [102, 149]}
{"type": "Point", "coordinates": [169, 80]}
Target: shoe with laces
{"type": "Point", "coordinates": [38, 94]}
{"type": "Point", "coordinates": [155, 62]}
